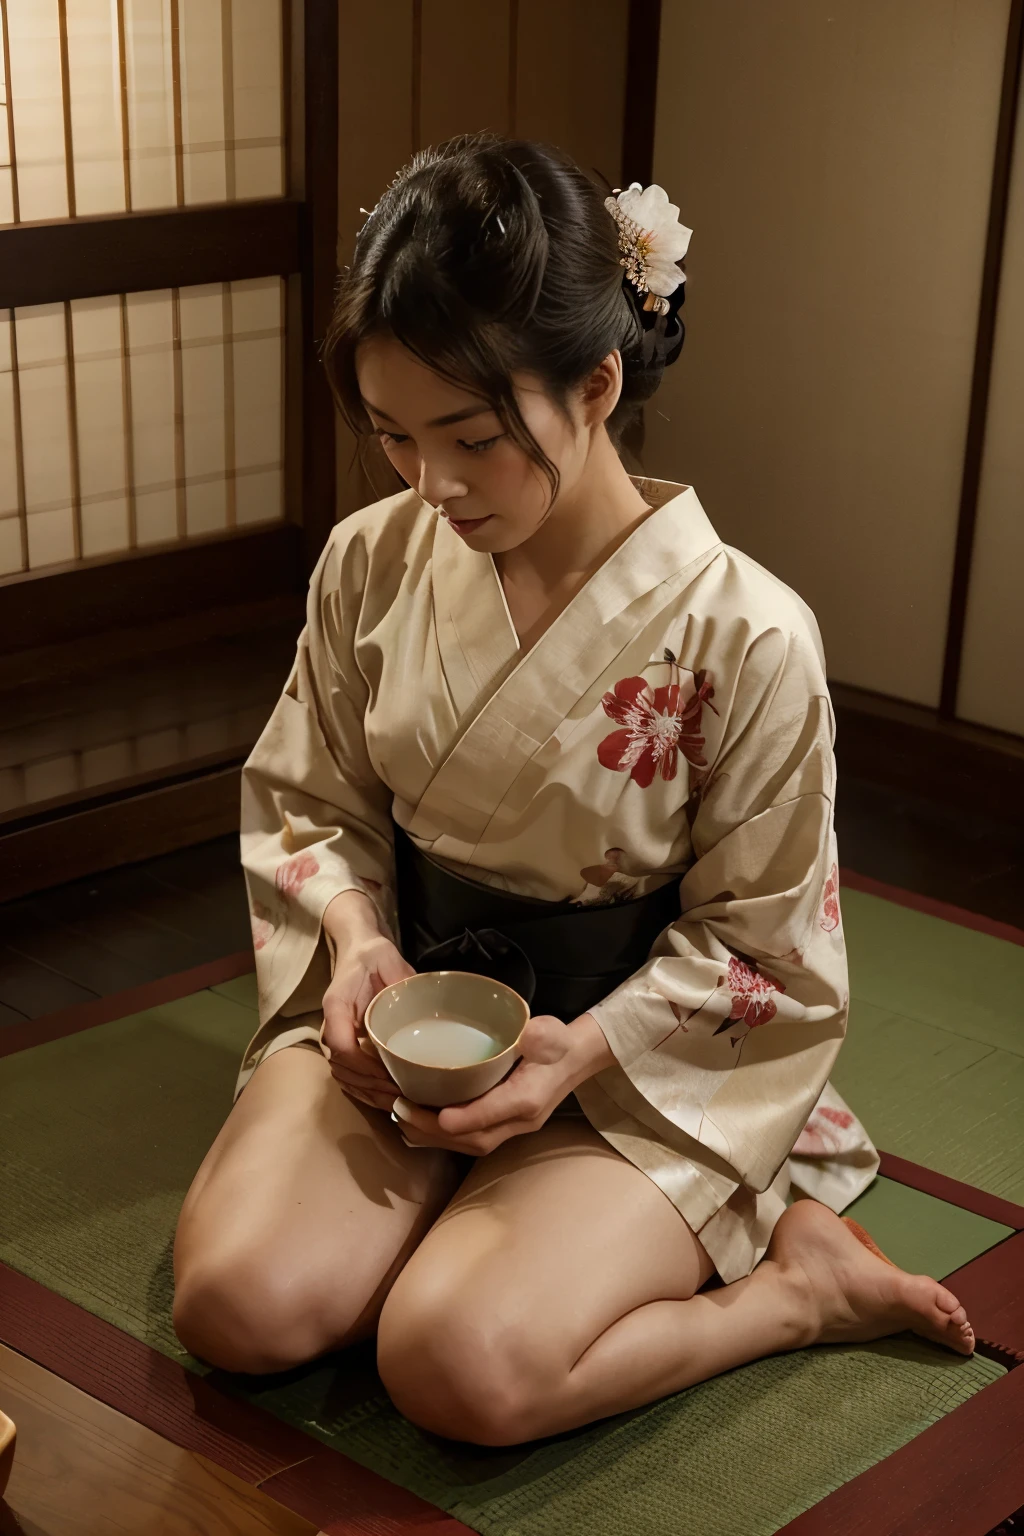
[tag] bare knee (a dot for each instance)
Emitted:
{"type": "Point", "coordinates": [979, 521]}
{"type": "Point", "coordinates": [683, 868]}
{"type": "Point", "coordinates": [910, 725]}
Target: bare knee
{"type": "Point", "coordinates": [241, 1314]}
{"type": "Point", "coordinates": [451, 1369]}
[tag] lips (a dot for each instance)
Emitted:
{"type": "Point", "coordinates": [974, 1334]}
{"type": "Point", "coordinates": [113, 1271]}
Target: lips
{"type": "Point", "coordinates": [468, 524]}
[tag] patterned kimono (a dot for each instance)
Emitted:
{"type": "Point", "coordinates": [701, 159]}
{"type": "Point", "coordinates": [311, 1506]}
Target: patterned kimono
{"type": "Point", "coordinates": [672, 723]}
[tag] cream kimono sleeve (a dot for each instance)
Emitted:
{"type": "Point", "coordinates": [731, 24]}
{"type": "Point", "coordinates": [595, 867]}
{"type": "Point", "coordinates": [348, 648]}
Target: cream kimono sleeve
{"type": "Point", "coordinates": [724, 1040]}
{"type": "Point", "coordinates": [315, 819]}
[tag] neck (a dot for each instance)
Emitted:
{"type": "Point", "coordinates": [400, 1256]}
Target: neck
{"type": "Point", "coordinates": [583, 528]}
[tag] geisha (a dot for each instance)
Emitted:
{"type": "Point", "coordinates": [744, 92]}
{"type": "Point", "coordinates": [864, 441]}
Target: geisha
{"type": "Point", "coordinates": [538, 697]}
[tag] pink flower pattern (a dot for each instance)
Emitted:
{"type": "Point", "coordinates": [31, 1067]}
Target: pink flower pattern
{"type": "Point", "coordinates": [752, 1000]}
{"type": "Point", "coordinates": [657, 724]}
{"type": "Point", "coordinates": [830, 903]}
{"type": "Point", "coordinates": [263, 926]}
{"type": "Point", "coordinates": [294, 872]}
{"type": "Point", "coordinates": [823, 1132]}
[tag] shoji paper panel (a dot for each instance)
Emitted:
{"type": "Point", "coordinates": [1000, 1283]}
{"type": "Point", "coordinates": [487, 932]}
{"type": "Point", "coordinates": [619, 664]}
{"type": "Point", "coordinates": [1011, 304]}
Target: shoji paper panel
{"type": "Point", "coordinates": [95, 103]}
{"type": "Point", "coordinates": [100, 381]}
{"type": "Point", "coordinates": [37, 108]}
{"type": "Point", "coordinates": [258, 420]}
{"type": "Point", "coordinates": [46, 446]}
{"type": "Point", "coordinates": [161, 421]}
{"type": "Point", "coordinates": [6, 174]}
{"type": "Point", "coordinates": [992, 672]}
{"type": "Point", "coordinates": [257, 99]}
{"type": "Point", "coordinates": [150, 81]}
{"type": "Point", "coordinates": [226, 98]}
{"type": "Point", "coordinates": [156, 455]}
{"type": "Point", "coordinates": [834, 162]}
{"type": "Point", "coordinates": [11, 524]}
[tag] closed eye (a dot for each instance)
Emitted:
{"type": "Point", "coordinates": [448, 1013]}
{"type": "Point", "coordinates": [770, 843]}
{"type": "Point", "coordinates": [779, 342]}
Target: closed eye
{"type": "Point", "coordinates": [482, 445]}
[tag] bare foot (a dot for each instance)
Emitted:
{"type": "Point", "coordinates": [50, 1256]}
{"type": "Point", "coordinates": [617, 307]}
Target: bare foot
{"type": "Point", "coordinates": [850, 1294]}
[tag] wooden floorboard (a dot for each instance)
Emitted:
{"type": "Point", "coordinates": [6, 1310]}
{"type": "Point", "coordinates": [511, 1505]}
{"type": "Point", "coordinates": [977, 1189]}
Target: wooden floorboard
{"type": "Point", "coordinates": [33, 990]}
{"type": "Point", "coordinates": [82, 1467]}
{"type": "Point", "coordinates": [195, 1414]}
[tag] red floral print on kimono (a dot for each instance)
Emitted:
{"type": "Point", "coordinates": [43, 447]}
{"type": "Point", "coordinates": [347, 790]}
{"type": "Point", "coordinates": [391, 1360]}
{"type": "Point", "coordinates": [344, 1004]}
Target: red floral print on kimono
{"type": "Point", "coordinates": [263, 926]}
{"type": "Point", "coordinates": [830, 904]}
{"type": "Point", "coordinates": [294, 872]}
{"type": "Point", "coordinates": [824, 1132]}
{"type": "Point", "coordinates": [752, 1001]}
{"type": "Point", "coordinates": [657, 724]}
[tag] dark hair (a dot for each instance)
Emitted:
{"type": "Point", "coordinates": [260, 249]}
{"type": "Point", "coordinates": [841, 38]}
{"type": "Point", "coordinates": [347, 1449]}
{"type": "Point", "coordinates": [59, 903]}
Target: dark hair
{"type": "Point", "coordinates": [486, 255]}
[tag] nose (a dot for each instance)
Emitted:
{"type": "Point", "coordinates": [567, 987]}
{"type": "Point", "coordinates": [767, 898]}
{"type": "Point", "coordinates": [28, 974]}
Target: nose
{"type": "Point", "coordinates": [437, 484]}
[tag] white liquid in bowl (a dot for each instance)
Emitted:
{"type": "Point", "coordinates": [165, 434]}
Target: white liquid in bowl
{"type": "Point", "coordinates": [443, 1042]}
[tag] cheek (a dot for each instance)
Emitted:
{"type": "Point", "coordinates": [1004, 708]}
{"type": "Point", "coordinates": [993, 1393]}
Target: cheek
{"type": "Point", "coordinates": [517, 486]}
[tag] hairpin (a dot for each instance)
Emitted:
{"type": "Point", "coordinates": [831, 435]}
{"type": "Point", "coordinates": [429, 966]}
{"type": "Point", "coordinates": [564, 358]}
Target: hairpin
{"type": "Point", "coordinates": [652, 241]}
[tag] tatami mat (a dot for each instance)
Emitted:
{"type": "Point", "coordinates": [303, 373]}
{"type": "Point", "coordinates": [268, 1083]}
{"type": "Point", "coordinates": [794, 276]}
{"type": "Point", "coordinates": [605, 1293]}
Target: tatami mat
{"type": "Point", "coordinates": [102, 1131]}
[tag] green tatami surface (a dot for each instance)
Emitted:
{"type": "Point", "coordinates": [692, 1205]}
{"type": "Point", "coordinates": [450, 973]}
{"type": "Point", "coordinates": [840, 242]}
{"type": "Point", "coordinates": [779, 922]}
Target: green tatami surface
{"type": "Point", "coordinates": [101, 1133]}
{"type": "Point", "coordinates": [933, 1062]}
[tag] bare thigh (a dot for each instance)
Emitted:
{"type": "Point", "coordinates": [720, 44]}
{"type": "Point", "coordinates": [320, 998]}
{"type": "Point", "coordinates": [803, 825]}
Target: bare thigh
{"type": "Point", "coordinates": [303, 1212]}
{"type": "Point", "coordinates": [548, 1242]}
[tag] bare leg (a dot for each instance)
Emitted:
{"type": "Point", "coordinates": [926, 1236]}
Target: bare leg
{"type": "Point", "coordinates": [304, 1210]}
{"type": "Point", "coordinates": [559, 1287]}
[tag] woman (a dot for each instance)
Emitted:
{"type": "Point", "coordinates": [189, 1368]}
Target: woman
{"type": "Point", "coordinates": [538, 699]}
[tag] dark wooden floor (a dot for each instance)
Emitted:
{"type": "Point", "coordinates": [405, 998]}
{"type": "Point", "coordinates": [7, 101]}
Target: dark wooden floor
{"type": "Point", "coordinates": [134, 925]}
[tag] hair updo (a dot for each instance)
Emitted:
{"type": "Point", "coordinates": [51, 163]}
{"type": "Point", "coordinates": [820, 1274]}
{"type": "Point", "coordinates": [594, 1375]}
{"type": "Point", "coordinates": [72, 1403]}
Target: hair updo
{"type": "Point", "coordinates": [487, 255]}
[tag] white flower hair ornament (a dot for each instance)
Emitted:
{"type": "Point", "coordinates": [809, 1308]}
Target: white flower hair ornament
{"type": "Point", "coordinates": [651, 240]}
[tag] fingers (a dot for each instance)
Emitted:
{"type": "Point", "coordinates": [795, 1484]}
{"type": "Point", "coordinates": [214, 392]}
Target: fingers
{"type": "Point", "coordinates": [421, 1128]}
{"type": "Point", "coordinates": [351, 1053]}
{"type": "Point", "coordinates": [372, 1097]}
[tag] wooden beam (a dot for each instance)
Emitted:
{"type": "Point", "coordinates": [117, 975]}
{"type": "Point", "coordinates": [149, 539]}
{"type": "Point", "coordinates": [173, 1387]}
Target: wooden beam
{"type": "Point", "coordinates": [912, 748]}
{"type": "Point", "coordinates": [642, 49]}
{"type": "Point", "coordinates": [319, 268]}
{"type": "Point", "coordinates": [982, 374]}
{"type": "Point", "coordinates": [145, 587]}
{"type": "Point", "coordinates": [131, 252]}
{"type": "Point", "coordinates": [123, 831]}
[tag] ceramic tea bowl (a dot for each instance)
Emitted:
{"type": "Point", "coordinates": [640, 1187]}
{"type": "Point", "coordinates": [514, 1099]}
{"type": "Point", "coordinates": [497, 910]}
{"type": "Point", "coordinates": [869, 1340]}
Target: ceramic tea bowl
{"type": "Point", "coordinates": [490, 1005]}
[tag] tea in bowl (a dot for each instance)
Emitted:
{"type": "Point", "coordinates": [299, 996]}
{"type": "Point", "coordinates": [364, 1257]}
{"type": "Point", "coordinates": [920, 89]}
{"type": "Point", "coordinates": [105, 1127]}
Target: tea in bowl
{"type": "Point", "coordinates": [447, 1036]}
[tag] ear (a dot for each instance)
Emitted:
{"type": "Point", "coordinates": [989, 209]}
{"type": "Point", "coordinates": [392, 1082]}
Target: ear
{"type": "Point", "coordinates": [600, 390]}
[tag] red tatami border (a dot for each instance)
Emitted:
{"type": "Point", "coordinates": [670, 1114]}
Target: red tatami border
{"type": "Point", "coordinates": [103, 1010]}
{"type": "Point", "coordinates": [931, 906]}
{"type": "Point", "coordinates": [961, 1476]}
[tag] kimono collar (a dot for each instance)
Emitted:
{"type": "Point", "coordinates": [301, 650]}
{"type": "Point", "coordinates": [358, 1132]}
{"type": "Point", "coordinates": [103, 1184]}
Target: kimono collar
{"type": "Point", "coordinates": [478, 640]}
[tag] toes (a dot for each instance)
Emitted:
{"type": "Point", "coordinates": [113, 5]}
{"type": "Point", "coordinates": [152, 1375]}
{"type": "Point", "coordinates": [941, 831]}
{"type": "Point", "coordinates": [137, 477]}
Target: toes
{"type": "Point", "coordinates": [959, 1317]}
{"type": "Point", "coordinates": [946, 1301]}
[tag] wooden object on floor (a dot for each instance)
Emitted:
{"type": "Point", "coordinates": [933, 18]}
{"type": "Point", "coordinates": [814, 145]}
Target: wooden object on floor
{"type": "Point", "coordinates": [8, 1436]}
{"type": "Point", "coordinates": [82, 1466]}
{"type": "Point", "coordinates": [318, 1482]}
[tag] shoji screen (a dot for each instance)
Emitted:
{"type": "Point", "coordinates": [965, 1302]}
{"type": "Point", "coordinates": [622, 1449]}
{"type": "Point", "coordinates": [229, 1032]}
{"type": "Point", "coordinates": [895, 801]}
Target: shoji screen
{"type": "Point", "coordinates": [834, 161]}
{"type": "Point", "coordinates": [145, 419]}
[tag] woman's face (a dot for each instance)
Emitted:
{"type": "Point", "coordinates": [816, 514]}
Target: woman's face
{"type": "Point", "coordinates": [451, 447]}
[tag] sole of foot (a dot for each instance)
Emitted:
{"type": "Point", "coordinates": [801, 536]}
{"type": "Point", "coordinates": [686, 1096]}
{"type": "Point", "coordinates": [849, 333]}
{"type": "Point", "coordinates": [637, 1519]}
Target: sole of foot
{"type": "Point", "coordinates": [854, 1296]}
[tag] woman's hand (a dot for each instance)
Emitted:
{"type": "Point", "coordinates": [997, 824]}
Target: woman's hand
{"type": "Point", "coordinates": [366, 962]}
{"type": "Point", "coordinates": [556, 1057]}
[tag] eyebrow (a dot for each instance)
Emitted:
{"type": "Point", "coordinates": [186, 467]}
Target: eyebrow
{"type": "Point", "coordinates": [465, 414]}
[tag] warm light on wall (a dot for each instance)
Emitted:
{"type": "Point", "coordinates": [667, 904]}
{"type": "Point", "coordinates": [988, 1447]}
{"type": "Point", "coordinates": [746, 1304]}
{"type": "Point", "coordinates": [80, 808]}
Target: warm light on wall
{"type": "Point", "coordinates": [110, 105]}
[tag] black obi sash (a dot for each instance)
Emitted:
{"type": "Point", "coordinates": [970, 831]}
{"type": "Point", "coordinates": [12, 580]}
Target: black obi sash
{"type": "Point", "coordinates": [561, 958]}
